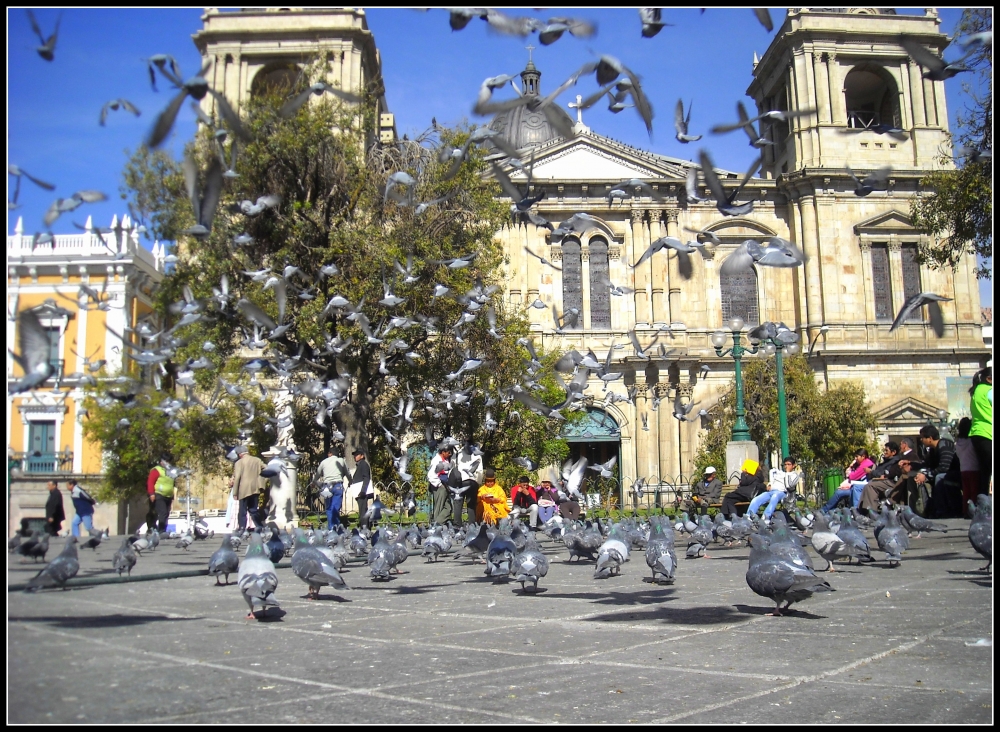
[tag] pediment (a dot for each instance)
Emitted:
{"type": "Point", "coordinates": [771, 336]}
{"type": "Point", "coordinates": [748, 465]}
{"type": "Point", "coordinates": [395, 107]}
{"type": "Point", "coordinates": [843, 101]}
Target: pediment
{"type": "Point", "coordinates": [592, 158]}
{"type": "Point", "coordinates": [907, 411]}
{"type": "Point", "coordinates": [886, 221]}
{"type": "Point", "coordinates": [51, 310]}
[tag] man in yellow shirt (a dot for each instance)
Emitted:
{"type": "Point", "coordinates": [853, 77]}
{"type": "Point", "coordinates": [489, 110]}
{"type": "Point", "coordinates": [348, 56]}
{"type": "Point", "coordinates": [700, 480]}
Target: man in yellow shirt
{"type": "Point", "coordinates": [492, 499]}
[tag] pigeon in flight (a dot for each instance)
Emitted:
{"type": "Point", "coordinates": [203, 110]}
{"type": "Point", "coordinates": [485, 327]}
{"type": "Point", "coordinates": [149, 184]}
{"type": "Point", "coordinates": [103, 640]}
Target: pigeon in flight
{"type": "Point", "coordinates": [877, 180]}
{"type": "Point", "coordinates": [293, 105]}
{"type": "Point", "coordinates": [666, 242]}
{"type": "Point", "coordinates": [937, 68]}
{"type": "Point", "coordinates": [17, 172]}
{"type": "Point", "coordinates": [777, 252]}
{"type": "Point", "coordinates": [542, 259]}
{"type": "Point", "coordinates": [763, 16]}
{"type": "Point", "coordinates": [726, 204]}
{"type": "Point", "coordinates": [114, 105]}
{"type": "Point", "coordinates": [33, 342]}
{"type": "Point", "coordinates": [916, 302]}
{"type": "Point", "coordinates": [652, 22]}
{"type": "Point", "coordinates": [205, 201]}
{"type": "Point", "coordinates": [681, 123]}
{"type": "Point", "coordinates": [746, 124]}
{"type": "Point", "coordinates": [48, 48]}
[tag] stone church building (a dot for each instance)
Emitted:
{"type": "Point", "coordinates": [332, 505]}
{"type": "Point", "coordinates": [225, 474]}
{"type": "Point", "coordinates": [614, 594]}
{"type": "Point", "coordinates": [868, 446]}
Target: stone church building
{"type": "Point", "coordinates": [860, 266]}
{"type": "Point", "coordinates": [860, 251]}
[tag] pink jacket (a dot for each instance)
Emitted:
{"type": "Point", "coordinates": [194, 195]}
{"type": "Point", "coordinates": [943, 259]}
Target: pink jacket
{"type": "Point", "coordinates": [860, 472]}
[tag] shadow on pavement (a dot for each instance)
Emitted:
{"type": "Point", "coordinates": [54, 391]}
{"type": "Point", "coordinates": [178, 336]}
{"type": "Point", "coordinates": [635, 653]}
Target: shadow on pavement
{"type": "Point", "coordinates": [98, 621]}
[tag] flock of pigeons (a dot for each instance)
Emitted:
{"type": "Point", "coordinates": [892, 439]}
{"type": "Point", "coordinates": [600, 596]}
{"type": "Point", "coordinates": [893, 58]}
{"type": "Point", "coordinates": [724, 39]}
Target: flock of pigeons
{"type": "Point", "coordinates": [779, 566]}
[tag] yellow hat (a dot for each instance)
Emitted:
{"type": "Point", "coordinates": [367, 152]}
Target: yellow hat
{"type": "Point", "coordinates": [750, 466]}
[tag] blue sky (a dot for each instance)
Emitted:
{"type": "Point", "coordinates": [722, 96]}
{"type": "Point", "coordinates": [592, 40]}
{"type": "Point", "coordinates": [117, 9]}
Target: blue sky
{"type": "Point", "coordinates": [430, 71]}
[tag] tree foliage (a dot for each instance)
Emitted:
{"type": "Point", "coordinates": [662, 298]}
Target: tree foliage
{"type": "Point", "coordinates": [824, 427]}
{"type": "Point", "coordinates": [959, 210]}
{"type": "Point", "coordinates": [334, 210]}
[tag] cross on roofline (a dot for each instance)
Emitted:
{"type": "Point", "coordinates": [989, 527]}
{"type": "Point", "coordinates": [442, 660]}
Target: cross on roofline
{"type": "Point", "coordinates": [530, 49]}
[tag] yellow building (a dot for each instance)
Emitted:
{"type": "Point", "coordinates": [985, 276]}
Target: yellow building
{"type": "Point", "coordinates": [44, 426]}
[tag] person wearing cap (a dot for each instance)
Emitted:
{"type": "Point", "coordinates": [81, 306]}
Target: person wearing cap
{"type": "Point", "coordinates": [705, 492]}
{"type": "Point", "coordinates": [751, 484]}
{"type": "Point", "coordinates": [160, 487]}
{"type": "Point", "coordinates": [437, 477]}
{"type": "Point", "coordinates": [492, 499]}
{"type": "Point", "coordinates": [361, 484]}
{"type": "Point", "coordinates": [246, 486]}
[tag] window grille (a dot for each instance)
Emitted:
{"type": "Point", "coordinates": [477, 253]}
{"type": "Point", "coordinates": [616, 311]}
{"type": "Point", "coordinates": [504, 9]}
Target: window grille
{"type": "Point", "coordinates": [600, 286]}
{"type": "Point", "coordinates": [881, 283]}
{"type": "Point", "coordinates": [572, 267]}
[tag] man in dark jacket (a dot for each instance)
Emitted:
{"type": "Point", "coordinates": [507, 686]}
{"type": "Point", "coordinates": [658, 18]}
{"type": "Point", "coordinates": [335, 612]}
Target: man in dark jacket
{"type": "Point", "coordinates": [54, 513]}
{"type": "Point", "coordinates": [933, 477]}
{"type": "Point", "coordinates": [751, 483]}
{"type": "Point", "coordinates": [361, 482]}
{"type": "Point", "coordinates": [705, 492]}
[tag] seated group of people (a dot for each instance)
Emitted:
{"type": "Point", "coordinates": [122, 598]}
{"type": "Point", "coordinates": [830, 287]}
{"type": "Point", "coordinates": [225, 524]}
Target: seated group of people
{"type": "Point", "coordinates": [752, 488]}
{"type": "Point", "coordinates": [539, 502]}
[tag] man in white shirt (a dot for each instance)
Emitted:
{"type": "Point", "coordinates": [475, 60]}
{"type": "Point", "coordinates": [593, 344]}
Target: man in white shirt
{"type": "Point", "coordinates": [782, 483]}
{"type": "Point", "coordinates": [330, 477]}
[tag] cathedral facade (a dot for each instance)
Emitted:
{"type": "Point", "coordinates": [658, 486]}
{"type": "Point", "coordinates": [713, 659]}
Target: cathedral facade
{"type": "Point", "coordinates": [861, 252]}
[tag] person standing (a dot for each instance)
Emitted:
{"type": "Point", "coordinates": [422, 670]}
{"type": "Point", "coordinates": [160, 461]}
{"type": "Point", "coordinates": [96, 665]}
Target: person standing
{"type": "Point", "coordinates": [54, 513]}
{"type": "Point", "coordinates": [330, 475]}
{"type": "Point", "coordinates": [968, 463]}
{"type": "Point", "coordinates": [981, 432]}
{"type": "Point", "coordinates": [437, 477]}
{"type": "Point", "coordinates": [469, 465]}
{"type": "Point", "coordinates": [246, 486]}
{"type": "Point", "coordinates": [83, 505]}
{"type": "Point", "coordinates": [361, 484]}
{"type": "Point", "coordinates": [160, 487]}
{"type": "Point", "coordinates": [705, 492]}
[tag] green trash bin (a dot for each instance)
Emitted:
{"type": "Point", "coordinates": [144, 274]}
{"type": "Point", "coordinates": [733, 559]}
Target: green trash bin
{"type": "Point", "coordinates": [831, 481]}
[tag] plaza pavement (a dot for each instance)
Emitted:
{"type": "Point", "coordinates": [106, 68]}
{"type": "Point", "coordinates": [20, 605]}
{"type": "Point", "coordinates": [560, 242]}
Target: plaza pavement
{"type": "Point", "coordinates": [442, 643]}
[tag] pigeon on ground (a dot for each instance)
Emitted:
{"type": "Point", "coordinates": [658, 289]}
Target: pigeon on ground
{"type": "Point", "coordinates": [530, 565]}
{"type": "Point", "coordinates": [257, 579]}
{"type": "Point", "coordinates": [275, 547]}
{"type": "Point", "coordinates": [914, 523]}
{"type": "Point", "coordinates": [224, 561]}
{"type": "Point", "coordinates": [313, 566]}
{"type": "Point", "coordinates": [500, 556]}
{"type": "Point", "coordinates": [358, 544]}
{"type": "Point", "coordinates": [476, 546]}
{"type": "Point", "coordinates": [852, 536]}
{"type": "Point", "coordinates": [891, 537]}
{"type": "Point", "coordinates": [660, 556]}
{"type": "Point", "coordinates": [781, 579]}
{"type": "Point", "coordinates": [981, 529]}
{"type": "Point", "coordinates": [381, 559]}
{"type": "Point", "coordinates": [185, 541]}
{"type": "Point", "coordinates": [124, 559]}
{"type": "Point", "coordinates": [35, 547]}
{"type": "Point", "coordinates": [59, 571]}
{"type": "Point", "coordinates": [829, 545]}
{"type": "Point", "coordinates": [14, 543]}
{"type": "Point", "coordinates": [611, 555]}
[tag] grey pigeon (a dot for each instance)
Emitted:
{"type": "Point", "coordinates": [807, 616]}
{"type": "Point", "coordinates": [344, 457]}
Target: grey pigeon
{"type": "Point", "coordinates": [530, 565]}
{"type": "Point", "coordinates": [381, 559]}
{"type": "Point", "coordinates": [981, 529]}
{"type": "Point", "coordinates": [781, 579]}
{"type": "Point", "coordinates": [95, 539]}
{"type": "Point", "coordinates": [257, 579]}
{"type": "Point", "coordinates": [476, 546]}
{"type": "Point", "coordinates": [35, 547]}
{"type": "Point", "coordinates": [224, 561]}
{"type": "Point", "coordinates": [916, 302]}
{"type": "Point", "coordinates": [275, 547]}
{"type": "Point", "coordinates": [124, 559]}
{"type": "Point", "coordinates": [33, 359]}
{"type": "Point", "coordinates": [830, 545]}
{"type": "Point", "coordinates": [660, 556]}
{"type": "Point", "coordinates": [914, 523]}
{"type": "Point", "coordinates": [612, 554]}
{"type": "Point", "coordinates": [313, 566]}
{"type": "Point", "coordinates": [852, 536]}
{"type": "Point", "coordinates": [500, 556]}
{"type": "Point", "coordinates": [60, 570]}
{"type": "Point", "coordinates": [891, 537]}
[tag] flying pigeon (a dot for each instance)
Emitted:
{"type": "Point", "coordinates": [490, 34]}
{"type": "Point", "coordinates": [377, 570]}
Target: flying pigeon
{"type": "Point", "coordinates": [916, 302]}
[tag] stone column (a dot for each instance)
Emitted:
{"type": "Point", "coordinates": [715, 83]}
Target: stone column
{"type": "Point", "coordinates": [813, 265]}
{"type": "Point", "coordinates": [658, 271]}
{"type": "Point", "coordinates": [643, 439]}
{"type": "Point", "coordinates": [838, 105]}
{"type": "Point", "coordinates": [821, 69]}
{"type": "Point", "coordinates": [941, 106]}
{"type": "Point", "coordinates": [641, 284]}
{"type": "Point", "coordinates": [685, 442]}
{"type": "Point", "coordinates": [284, 488]}
{"type": "Point", "coordinates": [666, 442]}
{"type": "Point", "coordinates": [917, 95]}
{"type": "Point", "coordinates": [802, 67]}
{"type": "Point", "coordinates": [676, 311]}
{"type": "Point", "coordinates": [866, 282]}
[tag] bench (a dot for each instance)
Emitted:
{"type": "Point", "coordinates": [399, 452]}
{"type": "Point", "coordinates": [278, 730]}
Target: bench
{"type": "Point", "coordinates": [727, 489]}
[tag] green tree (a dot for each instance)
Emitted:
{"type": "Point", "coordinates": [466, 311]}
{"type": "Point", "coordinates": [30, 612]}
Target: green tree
{"type": "Point", "coordinates": [959, 210]}
{"type": "Point", "coordinates": [354, 369]}
{"type": "Point", "coordinates": [824, 427]}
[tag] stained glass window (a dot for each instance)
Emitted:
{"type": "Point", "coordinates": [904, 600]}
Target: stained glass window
{"type": "Point", "coordinates": [572, 277]}
{"type": "Point", "coordinates": [911, 278]}
{"type": "Point", "coordinates": [881, 283]}
{"type": "Point", "coordinates": [600, 286]}
{"type": "Point", "coordinates": [739, 297]}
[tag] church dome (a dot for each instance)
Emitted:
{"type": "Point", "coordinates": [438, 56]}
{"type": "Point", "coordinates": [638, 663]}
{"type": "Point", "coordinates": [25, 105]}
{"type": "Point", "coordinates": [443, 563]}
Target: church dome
{"type": "Point", "coordinates": [522, 127]}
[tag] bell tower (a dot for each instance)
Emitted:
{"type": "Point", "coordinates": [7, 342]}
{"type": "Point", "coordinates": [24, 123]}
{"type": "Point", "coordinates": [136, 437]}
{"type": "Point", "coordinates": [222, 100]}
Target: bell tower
{"type": "Point", "coordinates": [873, 106]}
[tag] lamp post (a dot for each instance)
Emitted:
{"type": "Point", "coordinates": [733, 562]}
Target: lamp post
{"type": "Point", "coordinates": [823, 329]}
{"type": "Point", "coordinates": [777, 339]}
{"type": "Point", "coordinates": [741, 432]}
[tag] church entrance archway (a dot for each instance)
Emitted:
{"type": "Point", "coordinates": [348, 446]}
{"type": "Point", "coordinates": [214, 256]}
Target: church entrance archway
{"type": "Point", "coordinates": [596, 437]}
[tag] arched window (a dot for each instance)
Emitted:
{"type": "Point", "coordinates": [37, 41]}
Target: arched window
{"type": "Point", "coordinates": [871, 96]}
{"type": "Point", "coordinates": [572, 279]}
{"type": "Point", "coordinates": [600, 285]}
{"type": "Point", "coordinates": [276, 78]}
{"type": "Point", "coordinates": [739, 297]}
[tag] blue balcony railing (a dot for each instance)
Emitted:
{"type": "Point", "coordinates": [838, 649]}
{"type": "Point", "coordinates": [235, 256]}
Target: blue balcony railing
{"type": "Point", "coordinates": [45, 462]}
